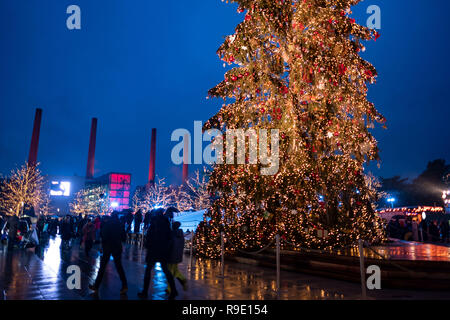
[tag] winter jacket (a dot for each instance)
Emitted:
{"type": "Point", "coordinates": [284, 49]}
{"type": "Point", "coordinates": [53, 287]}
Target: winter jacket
{"type": "Point", "coordinates": [113, 234]}
{"type": "Point", "coordinates": [137, 221]}
{"type": "Point", "coordinates": [97, 223]}
{"type": "Point", "coordinates": [176, 252]}
{"type": "Point", "coordinates": [13, 225]}
{"type": "Point", "coordinates": [66, 230]}
{"type": "Point", "coordinates": [40, 224]}
{"type": "Point", "coordinates": [89, 232]}
{"type": "Point", "coordinates": [158, 240]}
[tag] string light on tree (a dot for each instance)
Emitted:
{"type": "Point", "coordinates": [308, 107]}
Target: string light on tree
{"type": "Point", "coordinates": [91, 201]}
{"type": "Point", "coordinates": [24, 186]}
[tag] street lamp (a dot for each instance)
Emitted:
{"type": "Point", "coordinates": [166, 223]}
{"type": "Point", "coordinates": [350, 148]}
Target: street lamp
{"type": "Point", "coordinates": [391, 201]}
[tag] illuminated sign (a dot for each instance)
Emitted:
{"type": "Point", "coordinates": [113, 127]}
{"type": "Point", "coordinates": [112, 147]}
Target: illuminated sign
{"type": "Point", "coordinates": [60, 188]}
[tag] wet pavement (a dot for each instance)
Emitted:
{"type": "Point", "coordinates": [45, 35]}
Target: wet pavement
{"type": "Point", "coordinates": [42, 274]}
{"type": "Point", "coordinates": [405, 250]}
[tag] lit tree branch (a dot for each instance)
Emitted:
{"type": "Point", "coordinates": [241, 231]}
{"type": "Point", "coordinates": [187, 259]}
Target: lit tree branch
{"type": "Point", "coordinates": [25, 185]}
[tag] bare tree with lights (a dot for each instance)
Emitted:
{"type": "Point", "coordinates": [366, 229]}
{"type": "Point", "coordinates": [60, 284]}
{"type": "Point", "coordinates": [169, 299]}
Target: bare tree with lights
{"type": "Point", "coordinates": [137, 202]}
{"type": "Point", "coordinates": [25, 185]}
{"type": "Point", "coordinates": [181, 199]}
{"type": "Point", "coordinates": [91, 201]}
{"type": "Point", "coordinates": [197, 189]}
{"type": "Point", "coordinates": [157, 195]}
{"type": "Point", "coordinates": [194, 193]}
{"type": "Point", "coordinates": [46, 206]}
{"type": "Point", "coordinates": [298, 70]}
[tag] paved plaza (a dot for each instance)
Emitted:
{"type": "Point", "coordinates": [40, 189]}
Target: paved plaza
{"type": "Point", "coordinates": [41, 273]}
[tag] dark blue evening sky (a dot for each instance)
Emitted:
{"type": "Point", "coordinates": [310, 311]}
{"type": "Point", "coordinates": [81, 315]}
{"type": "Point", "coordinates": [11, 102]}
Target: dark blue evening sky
{"type": "Point", "coordinates": [141, 64]}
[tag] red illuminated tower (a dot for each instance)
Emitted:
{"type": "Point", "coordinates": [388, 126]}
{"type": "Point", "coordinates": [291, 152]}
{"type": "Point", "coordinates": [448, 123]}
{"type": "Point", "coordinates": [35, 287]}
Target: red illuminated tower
{"type": "Point", "coordinates": [186, 159]}
{"type": "Point", "coordinates": [91, 155]}
{"type": "Point", "coordinates": [151, 170]}
{"type": "Point", "coordinates": [32, 156]}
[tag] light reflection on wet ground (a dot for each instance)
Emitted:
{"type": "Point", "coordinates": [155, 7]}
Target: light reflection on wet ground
{"type": "Point", "coordinates": [25, 275]}
{"type": "Point", "coordinates": [405, 250]}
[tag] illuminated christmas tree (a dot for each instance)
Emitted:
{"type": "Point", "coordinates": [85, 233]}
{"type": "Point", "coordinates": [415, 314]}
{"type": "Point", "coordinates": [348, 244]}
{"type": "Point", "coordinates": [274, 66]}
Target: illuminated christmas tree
{"type": "Point", "coordinates": [298, 71]}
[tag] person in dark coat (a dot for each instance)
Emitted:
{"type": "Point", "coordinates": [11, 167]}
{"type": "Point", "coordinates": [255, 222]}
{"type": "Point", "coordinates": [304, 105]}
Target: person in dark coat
{"type": "Point", "coordinates": [53, 227]}
{"type": "Point", "coordinates": [97, 223]}
{"type": "Point", "coordinates": [147, 220]}
{"type": "Point", "coordinates": [434, 231]}
{"type": "Point", "coordinates": [88, 236]}
{"type": "Point", "coordinates": [112, 234]}
{"type": "Point", "coordinates": [444, 227]}
{"type": "Point", "coordinates": [129, 219]}
{"type": "Point", "coordinates": [13, 225]}
{"type": "Point", "coordinates": [394, 229]}
{"type": "Point", "coordinates": [170, 213]}
{"type": "Point", "coordinates": [2, 233]}
{"type": "Point", "coordinates": [423, 229]}
{"type": "Point", "coordinates": [66, 232]}
{"type": "Point", "coordinates": [81, 223]}
{"type": "Point", "coordinates": [176, 254]}
{"type": "Point", "coordinates": [137, 221]}
{"type": "Point", "coordinates": [158, 243]}
{"type": "Point", "coordinates": [40, 225]}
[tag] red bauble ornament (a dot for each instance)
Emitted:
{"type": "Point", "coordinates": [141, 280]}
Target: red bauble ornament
{"type": "Point", "coordinates": [377, 35]}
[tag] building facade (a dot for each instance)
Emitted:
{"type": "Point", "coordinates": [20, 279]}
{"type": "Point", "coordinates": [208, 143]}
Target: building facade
{"type": "Point", "coordinates": [118, 188]}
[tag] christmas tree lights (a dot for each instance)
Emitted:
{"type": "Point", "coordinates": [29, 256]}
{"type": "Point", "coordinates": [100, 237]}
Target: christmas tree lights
{"type": "Point", "coordinates": [299, 70]}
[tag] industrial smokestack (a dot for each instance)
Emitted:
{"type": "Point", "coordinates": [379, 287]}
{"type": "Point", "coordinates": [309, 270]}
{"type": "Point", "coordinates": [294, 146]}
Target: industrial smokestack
{"type": "Point", "coordinates": [91, 155]}
{"type": "Point", "coordinates": [151, 170]}
{"type": "Point", "coordinates": [32, 156]}
{"type": "Point", "coordinates": [185, 158]}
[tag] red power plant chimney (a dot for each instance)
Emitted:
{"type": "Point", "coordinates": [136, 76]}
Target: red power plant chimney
{"type": "Point", "coordinates": [91, 155]}
{"type": "Point", "coordinates": [185, 172]}
{"type": "Point", "coordinates": [151, 170]}
{"type": "Point", "coordinates": [186, 158]}
{"type": "Point", "coordinates": [32, 156]}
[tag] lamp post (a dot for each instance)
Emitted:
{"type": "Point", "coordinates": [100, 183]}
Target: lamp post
{"type": "Point", "coordinates": [391, 201]}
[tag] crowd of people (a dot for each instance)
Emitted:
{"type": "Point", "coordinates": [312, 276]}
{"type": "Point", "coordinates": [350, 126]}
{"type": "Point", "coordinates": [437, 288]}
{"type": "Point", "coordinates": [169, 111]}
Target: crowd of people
{"type": "Point", "coordinates": [16, 232]}
{"type": "Point", "coordinates": [426, 230]}
{"type": "Point", "coordinates": [162, 237]}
